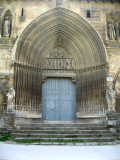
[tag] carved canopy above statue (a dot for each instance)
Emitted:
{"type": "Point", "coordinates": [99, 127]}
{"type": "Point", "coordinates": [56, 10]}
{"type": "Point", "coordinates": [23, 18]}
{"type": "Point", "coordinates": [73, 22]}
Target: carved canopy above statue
{"type": "Point", "coordinates": [62, 42]}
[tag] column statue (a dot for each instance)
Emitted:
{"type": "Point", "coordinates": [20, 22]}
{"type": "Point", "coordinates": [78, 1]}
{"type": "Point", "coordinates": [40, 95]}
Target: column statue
{"type": "Point", "coordinates": [6, 28]}
{"type": "Point", "coordinates": [11, 99]}
{"type": "Point", "coordinates": [111, 30]}
{"type": "Point", "coordinates": [116, 30]}
{"type": "Point", "coordinates": [110, 95]}
{"type": "Point", "coordinates": [119, 29]}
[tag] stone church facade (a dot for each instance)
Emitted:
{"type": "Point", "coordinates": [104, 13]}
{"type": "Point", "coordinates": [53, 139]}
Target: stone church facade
{"type": "Point", "coordinates": [59, 60]}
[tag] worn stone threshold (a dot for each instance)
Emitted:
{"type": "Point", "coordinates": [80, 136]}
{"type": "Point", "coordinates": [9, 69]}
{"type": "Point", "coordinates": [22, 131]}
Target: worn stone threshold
{"type": "Point", "coordinates": [66, 144]}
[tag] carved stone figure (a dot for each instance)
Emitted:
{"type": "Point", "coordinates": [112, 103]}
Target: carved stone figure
{"type": "Point", "coordinates": [11, 99]}
{"type": "Point", "coordinates": [116, 30]}
{"type": "Point", "coordinates": [119, 29]}
{"type": "Point", "coordinates": [58, 53]}
{"type": "Point", "coordinates": [58, 58]}
{"type": "Point", "coordinates": [59, 3]}
{"type": "Point", "coordinates": [110, 95]}
{"type": "Point", "coordinates": [6, 28]}
{"type": "Point", "coordinates": [111, 31]}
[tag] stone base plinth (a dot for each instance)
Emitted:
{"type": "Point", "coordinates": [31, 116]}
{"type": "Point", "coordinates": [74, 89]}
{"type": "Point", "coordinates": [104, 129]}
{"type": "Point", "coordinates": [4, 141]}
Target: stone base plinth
{"type": "Point", "coordinates": [9, 120]}
{"type": "Point", "coordinates": [112, 119]}
{"type": "Point", "coordinates": [95, 119]}
{"type": "Point", "coordinates": [27, 119]}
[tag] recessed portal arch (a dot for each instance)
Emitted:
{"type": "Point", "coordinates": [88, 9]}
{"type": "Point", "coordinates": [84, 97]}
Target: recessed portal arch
{"type": "Point", "coordinates": [61, 28]}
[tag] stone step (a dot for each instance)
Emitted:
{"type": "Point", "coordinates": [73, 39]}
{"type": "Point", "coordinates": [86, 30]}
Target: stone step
{"type": "Point", "coordinates": [62, 131]}
{"type": "Point", "coordinates": [61, 124]}
{"type": "Point", "coordinates": [61, 128]}
{"type": "Point", "coordinates": [54, 132]}
{"type": "Point", "coordinates": [78, 139]}
{"type": "Point", "coordinates": [62, 135]}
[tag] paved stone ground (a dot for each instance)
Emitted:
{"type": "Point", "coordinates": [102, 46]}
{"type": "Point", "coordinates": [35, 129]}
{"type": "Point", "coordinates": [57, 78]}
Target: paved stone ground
{"type": "Point", "coordinates": [39, 152]}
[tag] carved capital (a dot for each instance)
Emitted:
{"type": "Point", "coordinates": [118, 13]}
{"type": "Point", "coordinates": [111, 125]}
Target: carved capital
{"type": "Point", "coordinates": [73, 79]}
{"type": "Point", "coordinates": [44, 79]}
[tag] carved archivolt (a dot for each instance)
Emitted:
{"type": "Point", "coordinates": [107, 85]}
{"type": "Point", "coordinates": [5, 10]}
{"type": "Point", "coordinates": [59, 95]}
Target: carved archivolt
{"type": "Point", "coordinates": [87, 50]}
{"type": "Point", "coordinates": [113, 26]}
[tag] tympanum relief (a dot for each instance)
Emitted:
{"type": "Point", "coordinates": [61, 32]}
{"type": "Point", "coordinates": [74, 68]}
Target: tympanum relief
{"type": "Point", "coordinates": [58, 61]}
{"type": "Point", "coordinates": [58, 58]}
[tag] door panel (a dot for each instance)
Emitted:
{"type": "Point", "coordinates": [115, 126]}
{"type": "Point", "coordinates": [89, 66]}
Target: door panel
{"type": "Point", "coordinates": [58, 100]}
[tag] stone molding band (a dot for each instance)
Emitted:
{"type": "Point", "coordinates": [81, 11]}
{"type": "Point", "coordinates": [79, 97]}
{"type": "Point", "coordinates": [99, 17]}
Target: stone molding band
{"type": "Point", "coordinates": [90, 69]}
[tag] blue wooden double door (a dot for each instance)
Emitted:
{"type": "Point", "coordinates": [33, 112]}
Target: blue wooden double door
{"type": "Point", "coordinates": [58, 100]}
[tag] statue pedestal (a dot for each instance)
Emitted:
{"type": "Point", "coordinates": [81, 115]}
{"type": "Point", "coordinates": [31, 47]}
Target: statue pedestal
{"type": "Point", "coordinates": [23, 118]}
{"type": "Point", "coordinates": [112, 118]}
{"type": "Point", "coordinates": [9, 120]}
{"type": "Point", "coordinates": [10, 109]}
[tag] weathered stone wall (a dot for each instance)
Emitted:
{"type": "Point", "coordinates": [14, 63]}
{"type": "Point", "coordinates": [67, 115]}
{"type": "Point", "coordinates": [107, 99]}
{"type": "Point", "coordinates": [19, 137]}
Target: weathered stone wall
{"type": "Point", "coordinates": [114, 62]}
{"type": "Point", "coordinates": [5, 58]}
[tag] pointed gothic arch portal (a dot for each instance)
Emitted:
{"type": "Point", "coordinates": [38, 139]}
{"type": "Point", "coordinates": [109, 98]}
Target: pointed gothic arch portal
{"type": "Point", "coordinates": [61, 44]}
